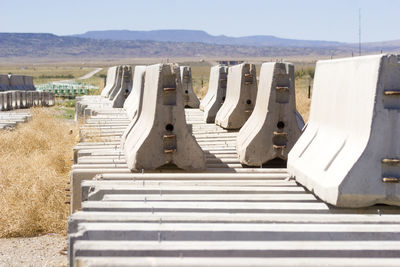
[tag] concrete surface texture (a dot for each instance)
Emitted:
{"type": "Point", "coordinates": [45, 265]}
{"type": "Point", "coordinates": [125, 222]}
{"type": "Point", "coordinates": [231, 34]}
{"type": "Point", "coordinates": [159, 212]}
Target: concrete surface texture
{"type": "Point", "coordinates": [272, 129]}
{"type": "Point", "coordinates": [110, 81]}
{"type": "Point", "coordinates": [216, 93]}
{"type": "Point", "coordinates": [24, 99]}
{"type": "Point", "coordinates": [125, 89]}
{"type": "Point", "coordinates": [117, 86]}
{"type": "Point", "coordinates": [240, 99]}
{"type": "Point", "coordinates": [161, 135]}
{"type": "Point", "coordinates": [190, 98]}
{"type": "Point", "coordinates": [349, 154]}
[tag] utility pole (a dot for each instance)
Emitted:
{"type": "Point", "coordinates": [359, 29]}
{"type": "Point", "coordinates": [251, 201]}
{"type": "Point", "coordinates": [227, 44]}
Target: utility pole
{"type": "Point", "coordinates": [359, 31]}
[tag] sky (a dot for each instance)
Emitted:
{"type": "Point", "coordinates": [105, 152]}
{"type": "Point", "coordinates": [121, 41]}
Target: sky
{"type": "Point", "coordinates": [335, 20]}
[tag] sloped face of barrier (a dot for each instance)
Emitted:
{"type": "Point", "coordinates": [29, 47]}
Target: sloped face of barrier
{"type": "Point", "coordinates": [216, 93]}
{"type": "Point", "coordinates": [4, 82]}
{"type": "Point", "coordinates": [117, 84]}
{"type": "Point", "coordinates": [125, 89]}
{"type": "Point", "coordinates": [110, 81]}
{"type": "Point", "coordinates": [133, 104]}
{"type": "Point", "coordinates": [190, 98]}
{"type": "Point", "coordinates": [272, 129]}
{"type": "Point", "coordinates": [349, 154]}
{"type": "Point", "coordinates": [240, 97]}
{"type": "Point", "coordinates": [160, 135]}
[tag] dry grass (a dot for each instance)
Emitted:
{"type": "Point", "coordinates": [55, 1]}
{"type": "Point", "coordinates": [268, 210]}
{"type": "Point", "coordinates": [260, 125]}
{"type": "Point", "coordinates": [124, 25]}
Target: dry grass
{"type": "Point", "coordinates": [35, 162]}
{"type": "Point", "coordinates": [302, 101]}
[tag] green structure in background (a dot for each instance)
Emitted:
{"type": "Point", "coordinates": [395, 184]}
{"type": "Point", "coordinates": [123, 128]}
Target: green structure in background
{"type": "Point", "coordinates": [66, 89]}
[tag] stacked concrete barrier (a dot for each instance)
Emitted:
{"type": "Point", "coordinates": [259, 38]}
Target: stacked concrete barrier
{"type": "Point", "coordinates": [11, 119]}
{"type": "Point", "coordinates": [133, 104]}
{"type": "Point", "coordinates": [160, 136]}
{"type": "Point", "coordinates": [17, 82]}
{"type": "Point", "coordinates": [113, 96]}
{"type": "Point", "coordinates": [190, 98]}
{"type": "Point", "coordinates": [28, 83]}
{"type": "Point", "coordinates": [349, 154]}
{"type": "Point", "coordinates": [216, 93]}
{"type": "Point", "coordinates": [240, 97]}
{"type": "Point", "coordinates": [272, 129]}
{"type": "Point", "coordinates": [25, 99]}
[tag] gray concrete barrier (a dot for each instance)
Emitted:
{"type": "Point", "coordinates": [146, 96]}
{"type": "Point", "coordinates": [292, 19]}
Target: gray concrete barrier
{"type": "Point", "coordinates": [272, 129]}
{"type": "Point", "coordinates": [161, 135]}
{"type": "Point", "coordinates": [125, 88]}
{"type": "Point", "coordinates": [28, 83]}
{"type": "Point", "coordinates": [117, 86]}
{"type": "Point", "coordinates": [190, 98]}
{"type": "Point", "coordinates": [241, 94]}
{"type": "Point", "coordinates": [216, 93]}
{"type": "Point", "coordinates": [17, 82]}
{"type": "Point", "coordinates": [349, 154]}
{"type": "Point", "coordinates": [4, 82]}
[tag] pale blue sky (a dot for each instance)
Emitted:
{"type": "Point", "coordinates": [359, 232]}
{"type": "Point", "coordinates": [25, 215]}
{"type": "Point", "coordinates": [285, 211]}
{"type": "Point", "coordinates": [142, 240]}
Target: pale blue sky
{"type": "Point", "coordinates": [335, 20]}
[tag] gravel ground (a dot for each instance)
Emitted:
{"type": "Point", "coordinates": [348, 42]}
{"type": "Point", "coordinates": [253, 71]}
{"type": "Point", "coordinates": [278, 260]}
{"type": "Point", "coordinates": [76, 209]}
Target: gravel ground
{"type": "Point", "coordinates": [34, 251]}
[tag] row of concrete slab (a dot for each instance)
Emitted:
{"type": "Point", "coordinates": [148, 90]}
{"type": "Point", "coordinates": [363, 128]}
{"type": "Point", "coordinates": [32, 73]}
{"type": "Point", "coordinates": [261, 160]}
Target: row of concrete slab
{"type": "Point", "coordinates": [11, 119]}
{"type": "Point", "coordinates": [227, 215]}
{"type": "Point", "coordinates": [10, 100]}
{"type": "Point", "coordinates": [16, 82]}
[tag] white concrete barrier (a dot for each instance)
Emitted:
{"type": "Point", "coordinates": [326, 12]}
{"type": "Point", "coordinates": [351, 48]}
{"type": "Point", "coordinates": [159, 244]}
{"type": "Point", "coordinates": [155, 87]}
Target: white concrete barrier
{"type": "Point", "coordinates": [190, 98]}
{"type": "Point", "coordinates": [4, 82]}
{"type": "Point", "coordinates": [241, 94]}
{"type": "Point", "coordinates": [216, 93]}
{"type": "Point", "coordinates": [272, 129]}
{"type": "Point", "coordinates": [349, 154]}
{"type": "Point", "coordinates": [161, 135]}
{"type": "Point", "coordinates": [117, 86]}
{"type": "Point", "coordinates": [110, 81]}
{"type": "Point", "coordinates": [125, 89]}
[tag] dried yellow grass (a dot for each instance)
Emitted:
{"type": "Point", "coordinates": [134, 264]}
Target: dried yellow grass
{"type": "Point", "coordinates": [34, 171]}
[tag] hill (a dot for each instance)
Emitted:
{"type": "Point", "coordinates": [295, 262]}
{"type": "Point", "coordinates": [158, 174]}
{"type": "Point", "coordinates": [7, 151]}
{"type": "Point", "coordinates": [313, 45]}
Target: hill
{"type": "Point", "coordinates": [195, 36]}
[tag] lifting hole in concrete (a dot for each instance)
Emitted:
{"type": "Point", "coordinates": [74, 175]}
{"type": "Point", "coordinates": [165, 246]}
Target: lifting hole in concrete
{"type": "Point", "coordinates": [169, 127]}
{"type": "Point", "coordinates": [223, 98]}
{"type": "Point", "coordinates": [248, 102]}
{"type": "Point", "coordinates": [186, 91]}
{"type": "Point", "coordinates": [280, 125]}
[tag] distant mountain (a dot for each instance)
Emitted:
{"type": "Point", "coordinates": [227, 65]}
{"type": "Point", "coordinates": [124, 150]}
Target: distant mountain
{"type": "Point", "coordinates": [45, 46]}
{"type": "Point", "coordinates": [195, 36]}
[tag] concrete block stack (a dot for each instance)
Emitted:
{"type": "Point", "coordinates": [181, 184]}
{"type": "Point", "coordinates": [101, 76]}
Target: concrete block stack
{"type": "Point", "coordinates": [224, 215]}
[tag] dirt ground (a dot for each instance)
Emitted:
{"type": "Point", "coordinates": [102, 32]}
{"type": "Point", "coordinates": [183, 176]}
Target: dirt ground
{"type": "Point", "coordinates": [47, 250]}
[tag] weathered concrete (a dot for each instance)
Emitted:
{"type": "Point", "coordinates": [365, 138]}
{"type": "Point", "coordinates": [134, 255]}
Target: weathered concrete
{"type": "Point", "coordinates": [118, 82]}
{"type": "Point", "coordinates": [4, 82]}
{"type": "Point", "coordinates": [189, 97]}
{"type": "Point", "coordinates": [240, 97]}
{"type": "Point", "coordinates": [160, 135]}
{"type": "Point", "coordinates": [216, 93]}
{"type": "Point", "coordinates": [349, 154]}
{"type": "Point", "coordinates": [272, 129]}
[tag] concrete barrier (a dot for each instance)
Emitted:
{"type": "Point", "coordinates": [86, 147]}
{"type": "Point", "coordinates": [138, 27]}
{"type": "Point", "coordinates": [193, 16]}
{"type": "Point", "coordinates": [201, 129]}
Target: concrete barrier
{"type": "Point", "coordinates": [125, 88]}
{"type": "Point", "coordinates": [190, 98]}
{"type": "Point", "coordinates": [117, 86]}
{"type": "Point", "coordinates": [4, 82]}
{"type": "Point", "coordinates": [272, 129]}
{"type": "Point", "coordinates": [349, 154]}
{"type": "Point", "coordinates": [28, 83]}
{"type": "Point", "coordinates": [216, 93]}
{"type": "Point", "coordinates": [240, 97]}
{"type": "Point", "coordinates": [161, 135]}
{"type": "Point", "coordinates": [17, 82]}
{"type": "Point", "coordinates": [110, 81]}
{"type": "Point", "coordinates": [133, 104]}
